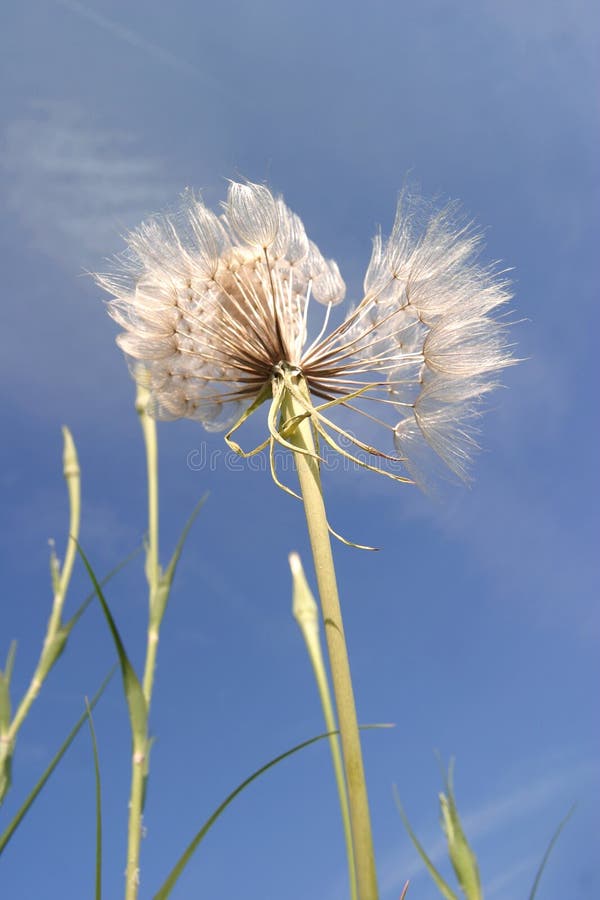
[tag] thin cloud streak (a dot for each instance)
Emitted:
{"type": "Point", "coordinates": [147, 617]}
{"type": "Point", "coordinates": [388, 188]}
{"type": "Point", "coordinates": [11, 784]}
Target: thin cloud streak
{"type": "Point", "coordinates": [91, 184]}
{"type": "Point", "coordinates": [526, 866]}
{"type": "Point", "coordinates": [130, 37]}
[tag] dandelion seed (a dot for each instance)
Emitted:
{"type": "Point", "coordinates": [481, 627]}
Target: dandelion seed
{"type": "Point", "coordinates": [216, 311]}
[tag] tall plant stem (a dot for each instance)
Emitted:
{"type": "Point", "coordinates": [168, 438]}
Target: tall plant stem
{"type": "Point", "coordinates": [152, 564]}
{"type": "Point", "coordinates": [312, 495]}
{"type": "Point", "coordinates": [306, 613]}
{"type": "Point", "coordinates": [134, 834]}
{"type": "Point", "coordinates": [141, 744]}
{"type": "Point", "coordinates": [56, 631]}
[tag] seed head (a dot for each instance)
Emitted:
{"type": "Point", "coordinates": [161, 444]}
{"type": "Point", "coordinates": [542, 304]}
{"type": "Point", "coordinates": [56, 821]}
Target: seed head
{"type": "Point", "coordinates": [215, 309]}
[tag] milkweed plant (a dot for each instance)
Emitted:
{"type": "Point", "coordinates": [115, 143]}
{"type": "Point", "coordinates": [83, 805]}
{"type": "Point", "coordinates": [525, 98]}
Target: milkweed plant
{"type": "Point", "coordinates": [222, 313]}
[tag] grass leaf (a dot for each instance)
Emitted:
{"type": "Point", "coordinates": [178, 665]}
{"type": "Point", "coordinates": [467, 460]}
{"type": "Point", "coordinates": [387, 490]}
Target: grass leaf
{"type": "Point", "coordinates": [98, 885]}
{"type": "Point", "coordinates": [461, 855]}
{"type": "Point", "coordinates": [549, 850]}
{"type": "Point", "coordinates": [169, 884]}
{"type": "Point", "coordinates": [18, 818]}
{"type": "Point", "coordinates": [5, 677]}
{"type": "Point", "coordinates": [443, 887]}
{"type": "Point", "coordinates": [136, 702]}
{"type": "Point", "coordinates": [82, 608]}
{"type": "Point", "coordinates": [166, 579]}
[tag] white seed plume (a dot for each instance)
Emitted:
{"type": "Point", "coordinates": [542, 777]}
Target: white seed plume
{"type": "Point", "coordinates": [212, 308]}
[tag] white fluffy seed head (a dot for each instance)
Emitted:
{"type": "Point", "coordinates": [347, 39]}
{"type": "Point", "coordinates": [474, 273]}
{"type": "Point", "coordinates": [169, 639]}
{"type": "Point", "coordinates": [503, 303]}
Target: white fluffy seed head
{"type": "Point", "coordinates": [209, 307]}
{"type": "Point", "coordinates": [252, 213]}
{"type": "Point", "coordinates": [328, 287]}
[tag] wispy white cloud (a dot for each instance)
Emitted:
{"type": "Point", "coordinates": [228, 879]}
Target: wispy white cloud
{"type": "Point", "coordinates": [525, 866]}
{"type": "Point", "coordinates": [74, 186]}
{"type": "Point", "coordinates": [71, 190]}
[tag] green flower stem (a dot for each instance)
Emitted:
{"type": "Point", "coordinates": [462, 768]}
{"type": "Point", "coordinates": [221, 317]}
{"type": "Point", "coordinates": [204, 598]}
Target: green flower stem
{"type": "Point", "coordinates": [152, 565]}
{"type": "Point", "coordinates": [139, 762]}
{"type": "Point", "coordinates": [72, 477]}
{"type": "Point", "coordinates": [136, 802]}
{"type": "Point", "coordinates": [310, 484]}
{"type": "Point", "coordinates": [56, 636]}
{"type": "Point", "coordinates": [306, 613]}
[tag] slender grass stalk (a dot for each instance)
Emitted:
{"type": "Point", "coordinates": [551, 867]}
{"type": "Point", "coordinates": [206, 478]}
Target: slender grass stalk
{"type": "Point", "coordinates": [306, 613]}
{"type": "Point", "coordinates": [310, 483]}
{"type": "Point", "coordinates": [139, 696]}
{"type": "Point", "coordinates": [138, 720]}
{"type": "Point", "coordinates": [139, 760]}
{"type": "Point", "coordinates": [134, 832]}
{"type": "Point", "coordinates": [72, 477]}
{"type": "Point", "coordinates": [56, 633]}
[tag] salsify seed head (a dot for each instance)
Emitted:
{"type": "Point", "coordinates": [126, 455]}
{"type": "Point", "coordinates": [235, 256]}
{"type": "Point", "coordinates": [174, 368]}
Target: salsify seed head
{"type": "Point", "coordinates": [215, 307]}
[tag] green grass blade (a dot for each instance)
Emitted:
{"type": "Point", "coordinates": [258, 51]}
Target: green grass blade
{"type": "Point", "coordinates": [5, 677]}
{"type": "Point", "coordinates": [51, 653]}
{"type": "Point", "coordinates": [6, 745]}
{"type": "Point", "coordinates": [161, 598]}
{"type": "Point", "coordinates": [136, 702]}
{"type": "Point", "coordinates": [549, 850]}
{"type": "Point", "coordinates": [98, 886]}
{"type": "Point", "coordinates": [170, 570]}
{"type": "Point", "coordinates": [103, 581]}
{"type": "Point", "coordinates": [18, 818]}
{"type": "Point", "coordinates": [462, 857]}
{"type": "Point", "coordinates": [443, 887]}
{"type": "Point", "coordinates": [169, 884]}
{"type": "Point", "coordinates": [10, 660]}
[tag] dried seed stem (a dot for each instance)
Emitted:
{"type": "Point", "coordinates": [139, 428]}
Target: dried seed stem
{"type": "Point", "coordinates": [310, 482]}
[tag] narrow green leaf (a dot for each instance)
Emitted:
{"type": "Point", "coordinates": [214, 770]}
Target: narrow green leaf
{"type": "Point", "coordinates": [6, 757]}
{"type": "Point", "coordinates": [136, 702]}
{"type": "Point", "coordinates": [120, 565]}
{"type": "Point", "coordinates": [173, 877]}
{"type": "Point", "coordinates": [10, 660]}
{"type": "Point", "coordinates": [72, 476]}
{"type": "Point", "coordinates": [50, 655]}
{"type": "Point", "coordinates": [52, 650]}
{"type": "Point", "coordinates": [462, 857]}
{"type": "Point", "coordinates": [6, 745]}
{"type": "Point", "coordinates": [98, 893]}
{"type": "Point", "coordinates": [166, 579]}
{"type": "Point", "coordinates": [4, 704]}
{"type": "Point", "coordinates": [5, 677]}
{"type": "Point", "coordinates": [18, 818]}
{"type": "Point", "coordinates": [443, 887]}
{"type": "Point", "coordinates": [59, 641]}
{"type": "Point", "coordinates": [549, 850]}
{"type": "Point", "coordinates": [169, 573]}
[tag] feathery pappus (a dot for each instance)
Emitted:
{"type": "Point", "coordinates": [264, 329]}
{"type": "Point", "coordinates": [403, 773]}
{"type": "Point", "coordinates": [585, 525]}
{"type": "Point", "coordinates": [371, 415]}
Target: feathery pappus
{"type": "Point", "coordinates": [217, 311]}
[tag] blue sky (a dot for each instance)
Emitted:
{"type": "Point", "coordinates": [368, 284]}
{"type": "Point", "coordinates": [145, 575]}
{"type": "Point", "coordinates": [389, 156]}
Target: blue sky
{"type": "Point", "coordinates": [476, 627]}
